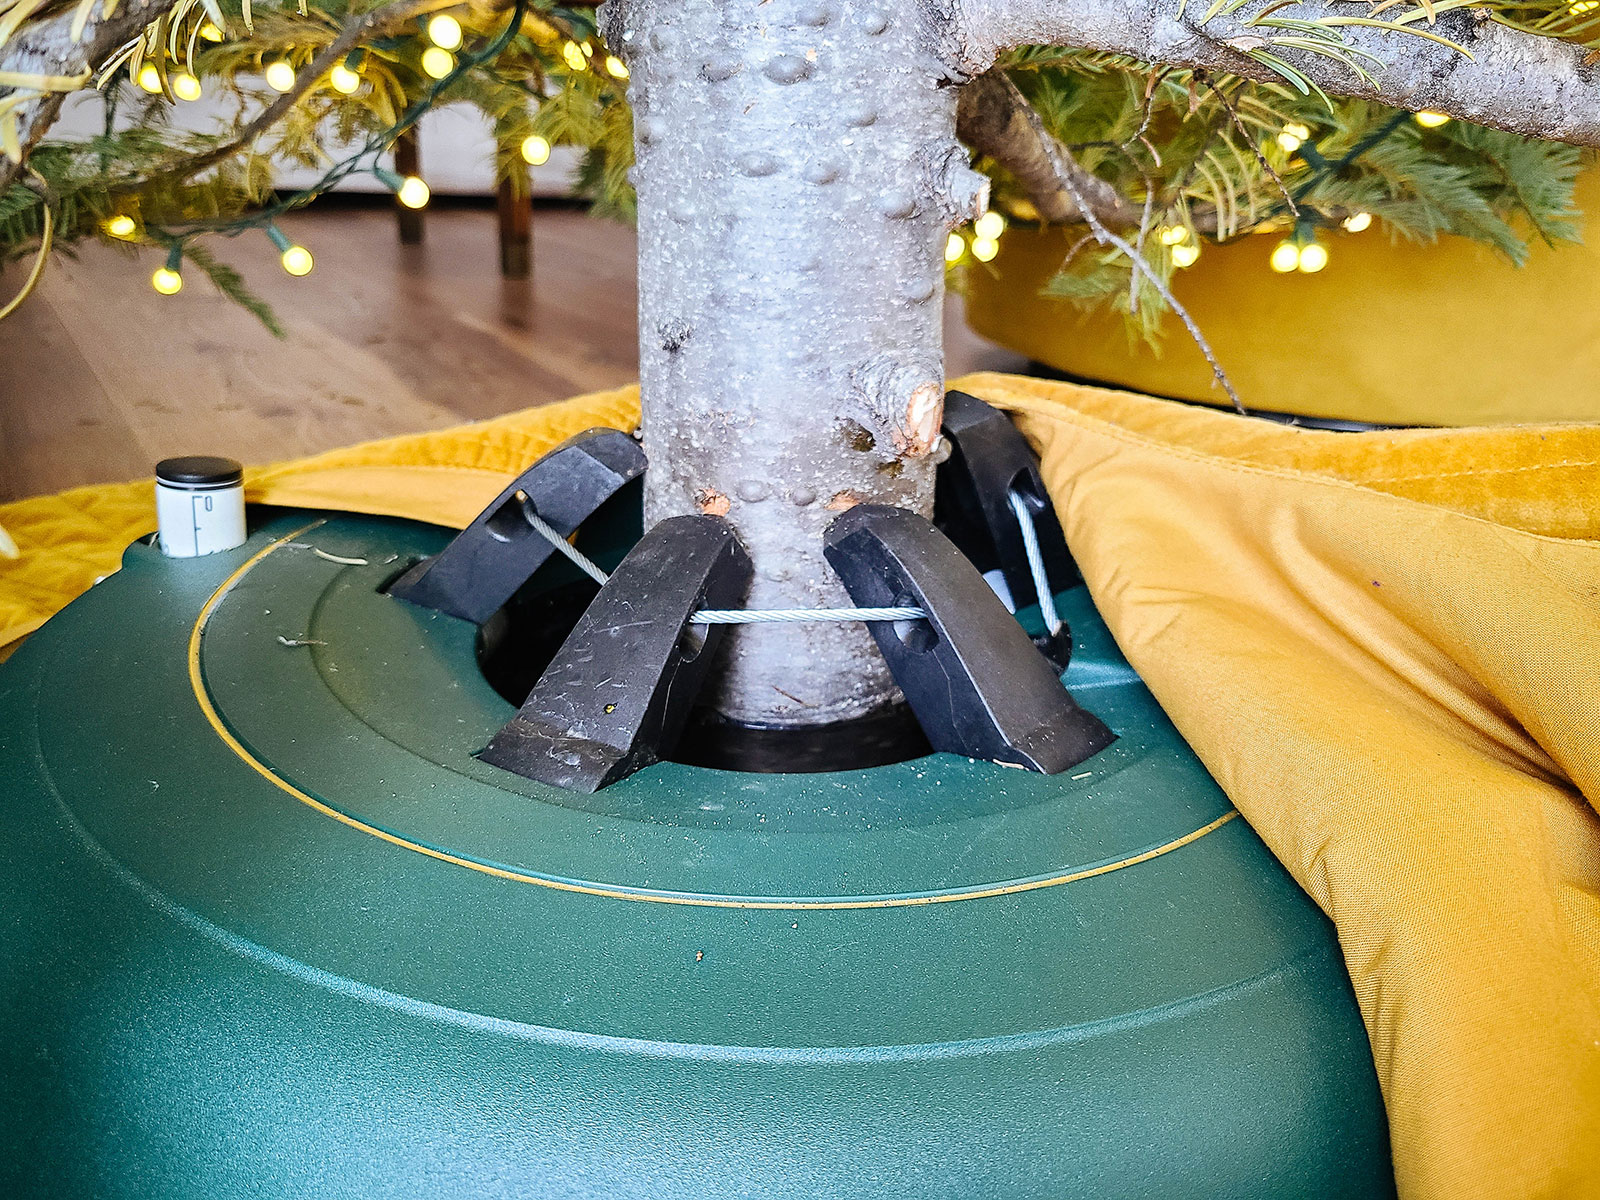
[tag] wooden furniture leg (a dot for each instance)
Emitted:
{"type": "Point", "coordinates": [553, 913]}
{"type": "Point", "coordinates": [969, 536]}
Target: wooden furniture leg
{"type": "Point", "coordinates": [408, 161]}
{"type": "Point", "coordinates": [516, 231]}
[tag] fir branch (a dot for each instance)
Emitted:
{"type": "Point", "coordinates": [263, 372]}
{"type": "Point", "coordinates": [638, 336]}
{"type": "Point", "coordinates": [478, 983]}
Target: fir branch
{"type": "Point", "coordinates": [1069, 181]}
{"type": "Point", "coordinates": [376, 23]}
{"type": "Point", "coordinates": [232, 285]}
{"type": "Point", "coordinates": [52, 43]}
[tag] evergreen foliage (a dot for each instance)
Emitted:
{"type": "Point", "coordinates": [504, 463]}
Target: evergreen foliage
{"type": "Point", "coordinates": [143, 168]}
{"type": "Point", "coordinates": [1214, 157]}
{"type": "Point", "coordinates": [1224, 157]}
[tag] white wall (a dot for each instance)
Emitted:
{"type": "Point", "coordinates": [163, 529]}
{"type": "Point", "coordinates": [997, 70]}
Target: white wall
{"type": "Point", "coordinates": [457, 147]}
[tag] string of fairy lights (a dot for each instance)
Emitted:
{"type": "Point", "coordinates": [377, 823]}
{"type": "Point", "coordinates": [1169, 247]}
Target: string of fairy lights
{"type": "Point", "coordinates": [1301, 251]}
{"type": "Point", "coordinates": [444, 60]}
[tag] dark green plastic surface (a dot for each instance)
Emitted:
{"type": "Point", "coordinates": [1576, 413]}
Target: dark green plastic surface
{"type": "Point", "coordinates": [325, 952]}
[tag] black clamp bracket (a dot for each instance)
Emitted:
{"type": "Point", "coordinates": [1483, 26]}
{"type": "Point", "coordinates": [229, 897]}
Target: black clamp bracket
{"type": "Point", "coordinates": [491, 558]}
{"type": "Point", "coordinates": [619, 691]}
{"type": "Point", "coordinates": [989, 462]}
{"type": "Point", "coordinates": [976, 683]}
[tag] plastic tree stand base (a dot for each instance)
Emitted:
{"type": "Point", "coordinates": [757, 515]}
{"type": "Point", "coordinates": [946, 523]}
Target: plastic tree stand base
{"type": "Point", "coordinates": [272, 931]}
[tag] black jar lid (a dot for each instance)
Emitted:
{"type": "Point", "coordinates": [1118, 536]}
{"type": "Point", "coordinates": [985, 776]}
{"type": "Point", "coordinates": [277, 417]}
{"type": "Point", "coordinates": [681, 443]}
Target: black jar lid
{"type": "Point", "coordinates": [199, 471]}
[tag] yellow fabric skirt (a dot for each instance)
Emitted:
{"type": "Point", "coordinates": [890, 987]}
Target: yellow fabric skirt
{"type": "Point", "coordinates": [1385, 646]}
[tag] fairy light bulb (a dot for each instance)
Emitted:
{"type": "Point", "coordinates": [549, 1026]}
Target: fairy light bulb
{"type": "Point", "coordinates": [618, 69]}
{"type": "Point", "coordinates": [984, 249]}
{"type": "Point", "coordinates": [990, 226]}
{"type": "Point", "coordinates": [438, 62]}
{"type": "Point", "coordinates": [1174, 235]}
{"type": "Point", "coordinates": [121, 226]}
{"type": "Point", "coordinates": [1285, 257]}
{"type": "Point", "coordinates": [954, 247]}
{"type": "Point", "coordinates": [1293, 137]}
{"type": "Point", "coordinates": [1356, 222]}
{"type": "Point", "coordinates": [1313, 257]}
{"type": "Point", "coordinates": [280, 75]}
{"type": "Point", "coordinates": [1429, 119]}
{"type": "Point", "coordinates": [296, 259]}
{"type": "Point", "coordinates": [210, 32]}
{"type": "Point", "coordinates": [444, 31]}
{"type": "Point", "coordinates": [588, 50]}
{"type": "Point", "coordinates": [414, 192]}
{"type": "Point", "coordinates": [150, 78]}
{"type": "Point", "coordinates": [1184, 255]}
{"type": "Point", "coordinates": [344, 80]}
{"type": "Point", "coordinates": [410, 191]}
{"type": "Point", "coordinates": [166, 279]}
{"type": "Point", "coordinates": [1583, 6]}
{"type": "Point", "coordinates": [572, 55]}
{"type": "Point", "coordinates": [535, 150]}
{"type": "Point", "coordinates": [185, 86]}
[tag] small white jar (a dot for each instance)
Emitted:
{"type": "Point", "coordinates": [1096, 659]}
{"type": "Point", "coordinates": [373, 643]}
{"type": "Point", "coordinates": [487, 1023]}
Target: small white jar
{"type": "Point", "coordinates": [199, 505]}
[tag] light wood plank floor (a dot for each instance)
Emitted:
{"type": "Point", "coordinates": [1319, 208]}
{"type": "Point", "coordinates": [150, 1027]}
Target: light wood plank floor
{"type": "Point", "coordinates": [100, 377]}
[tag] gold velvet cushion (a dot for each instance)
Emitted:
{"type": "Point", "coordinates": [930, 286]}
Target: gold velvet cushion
{"type": "Point", "coordinates": [1395, 334]}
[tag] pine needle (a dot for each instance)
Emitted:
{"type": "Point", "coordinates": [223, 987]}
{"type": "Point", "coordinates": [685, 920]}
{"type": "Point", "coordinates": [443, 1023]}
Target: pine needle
{"type": "Point", "coordinates": [231, 284]}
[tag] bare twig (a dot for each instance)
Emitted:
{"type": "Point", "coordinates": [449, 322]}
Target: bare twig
{"type": "Point", "coordinates": [1072, 251]}
{"type": "Point", "coordinates": [1140, 266]}
{"type": "Point", "coordinates": [1144, 232]}
{"type": "Point", "coordinates": [1148, 106]}
{"type": "Point", "coordinates": [1249, 138]}
{"type": "Point", "coordinates": [1106, 238]}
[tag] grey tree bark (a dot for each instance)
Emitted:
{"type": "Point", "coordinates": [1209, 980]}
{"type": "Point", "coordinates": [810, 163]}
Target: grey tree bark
{"type": "Point", "coordinates": [798, 174]}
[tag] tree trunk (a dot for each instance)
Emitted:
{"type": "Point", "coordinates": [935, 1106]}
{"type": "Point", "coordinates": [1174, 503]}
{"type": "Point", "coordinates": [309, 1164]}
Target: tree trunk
{"type": "Point", "coordinates": [798, 174]}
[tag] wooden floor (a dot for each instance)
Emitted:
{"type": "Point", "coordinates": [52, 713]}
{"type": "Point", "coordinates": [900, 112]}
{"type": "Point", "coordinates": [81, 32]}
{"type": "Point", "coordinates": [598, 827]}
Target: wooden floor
{"type": "Point", "coordinates": [100, 377]}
